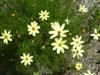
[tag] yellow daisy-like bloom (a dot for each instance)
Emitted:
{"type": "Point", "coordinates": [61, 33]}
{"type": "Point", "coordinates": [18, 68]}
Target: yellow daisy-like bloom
{"type": "Point", "coordinates": [78, 66]}
{"type": "Point", "coordinates": [67, 21]}
{"type": "Point", "coordinates": [6, 36]}
{"type": "Point", "coordinates": [58, 30]}
{"type": "Point", "coordinates": [77, 41]}
{"type": "Point", "coordinates": [83, 9]}
{"type": "Point", "coordinates": [26, 59]}
{"type": "Point", "coordinates": [33, 28]}
{"type": "Point", "coordinates": [89, 73]}
{"type": "Point", "coordinates": [59, 45]}
{"type": "Point", "coordinates": [95, 35]}
{"type": "Point", "coordinates": [44, 15]}
{"type": "Point", "coordinates": [77, 52]}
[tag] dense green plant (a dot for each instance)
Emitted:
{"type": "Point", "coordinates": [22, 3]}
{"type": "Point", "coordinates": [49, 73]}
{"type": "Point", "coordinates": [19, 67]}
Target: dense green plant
{"type": "Point", "coordinates": [15, 15]}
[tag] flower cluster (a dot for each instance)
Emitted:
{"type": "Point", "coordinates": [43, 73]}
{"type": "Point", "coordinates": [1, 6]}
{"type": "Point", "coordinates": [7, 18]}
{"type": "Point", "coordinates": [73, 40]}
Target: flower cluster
{"type": "Point", "coordinates": [77, 47]}
{"type": "Point", "coordinates": [58, 31]}
{"type": "Point", "coordinates": [58, 34]}
{"type": "Point", "coordinates": [33, 29]}
{"type": "Point", "coordinates": [77, 50]}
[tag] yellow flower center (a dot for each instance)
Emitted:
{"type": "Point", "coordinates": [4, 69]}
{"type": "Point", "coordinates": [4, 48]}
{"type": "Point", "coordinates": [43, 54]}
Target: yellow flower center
{"type": "Point", "coordinates": [44, 15]}
{"type": "Point", "coordinates": [60, 44]}
{"type": "Point", "coordinates": [33, 28]}
{"type": "Point", "coordinates": [5, 37]}
{"type": "Point", "coordinates": [79, 66]}
{"type": "Point", "coordinates": [26, 58]}
{"type": "Point", "coordinates": [96, 33]}
{"type": "Point", "coordinates": [77, 51]}
{"type": "Point", "coordinates": [77, 42]}
{"type": "Point", "coordinates": [59, 32]}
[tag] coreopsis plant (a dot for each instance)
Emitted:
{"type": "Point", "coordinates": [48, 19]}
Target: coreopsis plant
{"type": "Point", "coordinates": [48, 37]}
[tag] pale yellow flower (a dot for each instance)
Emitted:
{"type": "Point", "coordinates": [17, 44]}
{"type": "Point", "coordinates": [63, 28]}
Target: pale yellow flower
{"type": "Point", "coordinates": [58, 30]}
{"type": "Point", "coordinates": [83, 9]}
{"type": "Point", "coordinates": [26, 59]}
{"type": "Point", "coordinates": [33, 28]}
{"type": "Point", "coordinates": [77, 52]}
{"type": "Point", "coordinates": [77, 41]}
{"type": "Point", "coordinates": [59, 45]}
{"type": "Point", "coordinates": [44, 15]}
{"type": "Point", "coordinates": [95, 35]}
{"type": "Point", "coordinates": [78, 66]}
{"type": "Point", "coordinates": [6, 36]}
{"type": "Point", "coordinates": [89, 73]}
{"type": "Point", "coordinates": [67, 21]}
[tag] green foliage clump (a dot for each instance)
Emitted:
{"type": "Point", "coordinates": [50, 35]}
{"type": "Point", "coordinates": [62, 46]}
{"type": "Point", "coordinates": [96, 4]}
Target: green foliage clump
{"type": "Point", "coordinates": [15, 15]}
